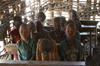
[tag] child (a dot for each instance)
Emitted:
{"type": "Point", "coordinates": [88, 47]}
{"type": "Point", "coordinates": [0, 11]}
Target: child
{"type": "Point", "coordinates": [57, 33]}
{"type": "Point", "coordinates": [41, 33]}
{"type": "Point", "coordinates": [70, 48]}
{"type": "Point", "coordinates": [77, 35]}
{"type": "Point", "coordinates": [25, 46]}
{"type": "Point", "coordinates": [32, 28]}
{"type": "Point", "coordinates": [47, 50]}
{"type": "Point", "coordinates": [14, 34]}
{"type": "Point", "coordinates": [40, 16]}
{"type": "Point", "coordinates": [73, 16]}
{"type": "Point", "coordinates": [63, 21]}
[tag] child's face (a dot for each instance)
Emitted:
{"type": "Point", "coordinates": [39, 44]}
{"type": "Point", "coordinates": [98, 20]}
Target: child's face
{"type": "Point", "coordinates": [41, 19]}
{"type": "Point", "coordinates": [57, 26]}
{"type": "Point", "coordinates": [72, 16]}
{"type": "Point", "coordinates": [17, 24]}
{"type": "Point", "coordinates": [70, 32]}
{"type": "Point", "coordinates": [24, 32]}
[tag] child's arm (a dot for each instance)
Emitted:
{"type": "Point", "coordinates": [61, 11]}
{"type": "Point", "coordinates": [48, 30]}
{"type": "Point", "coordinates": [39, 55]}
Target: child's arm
{"type": "Point", "coordinates": [33, 56]}
{"type": "Point", "coordinates": [80, 58]}
{"type": "Point", "coordinates": [33, 51]}
{"type": "Point", "coordinates": [19, 57]}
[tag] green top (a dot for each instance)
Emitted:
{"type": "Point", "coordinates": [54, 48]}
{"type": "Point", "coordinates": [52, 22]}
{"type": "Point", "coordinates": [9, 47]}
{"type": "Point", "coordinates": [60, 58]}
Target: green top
{"type": "Point", "coordinates": [77, 36]}
{"type": "Point", "coordinates": [25, 51]}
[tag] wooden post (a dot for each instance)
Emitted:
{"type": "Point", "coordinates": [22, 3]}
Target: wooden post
{"type": "Point", "coordinates": [77, 5]}
{"type": "Point", "coordinates": [95, 35]}
{"type": "Point", "coordinates": [94, 8]}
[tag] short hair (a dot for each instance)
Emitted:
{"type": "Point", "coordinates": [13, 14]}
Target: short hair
{"type": "Point", "coordinates": [24, 25]}
{"type": "Point", "coordinates": [17, 18]}
{"type": "Point", "coordinates": [63, 20]}
{"type": "Point", "coordinates": [45, 45]}
{"type": "Point", "coordinates": [57, 19]}
{"type": "Point", "coordinates": [41, 15]}
{"type": "Point", "coordinates": [31, 25]}
{"type": "Point", "coordinates": [72, 11]}
{"type": "Point", "coordinates": [71, 25]}
{"type": "Point", "coordinates": [68, 22]}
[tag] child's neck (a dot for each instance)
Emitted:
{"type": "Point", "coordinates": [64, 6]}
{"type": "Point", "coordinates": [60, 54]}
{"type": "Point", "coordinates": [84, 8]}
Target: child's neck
{"type": "Point", "coordinates": [70, 41]}
{"type": "Point", "coordinates": [25, 41]}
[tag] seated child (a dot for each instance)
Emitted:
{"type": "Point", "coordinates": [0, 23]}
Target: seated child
{"type": "Point", "coordinates": [40, 16]}
{"type": "Point", "coordinates": [25, 46]}
{"type": "Point", "coordinates": [32, 28]}
{"type": "Point", "coordinates": [14, 34]}
{"type": "Point", "coordinates": [41, 33]}
{"type": "Point", "coordinates": [57, 33]}
{"type": "Point", "coordinates": [77, 35]}
{"type": "Point", "coordinates": [73, 16]}
{"type": "Point", "coordinates": [47, 50]}
{"type": "Point", "coordinates": [70, 48]}
{"type": "Point", "coordinates": [63, 21]}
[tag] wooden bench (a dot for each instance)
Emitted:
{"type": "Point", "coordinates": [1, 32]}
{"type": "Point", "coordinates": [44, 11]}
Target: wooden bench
{"type": "Point", "coordinates": [40, 63]}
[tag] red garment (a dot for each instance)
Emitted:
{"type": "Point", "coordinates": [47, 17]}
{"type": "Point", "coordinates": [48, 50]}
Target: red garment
{"type": "Point", "coordinates": [57, 37]}
{"type": "Point", "coordinates": [16, 35]}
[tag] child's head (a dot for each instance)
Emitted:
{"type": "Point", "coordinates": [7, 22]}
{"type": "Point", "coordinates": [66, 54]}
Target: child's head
{"type": "Point", "coordinates": [17, 21]}
{"type": "Point", "coordinates": [39, 26]}
{"type": "Point", "coordinates": [68, 22]}
{"type": "Point", "coordinates": [45, 45]}
{"type": "Point", "coordinates": [73, 14]}
{"type": "Point", "coordinates": [41, 16]}
{"type": "Point", "coordinates": [70, 30]}
{"type": "Point", "coordinates": [31, 26]}
{"type": "Point", "coordinates": [24, 31]}
{"type": "Point", "coordinates": [57, 24]}
{"type": "Point", "coordinates": [63, 20]}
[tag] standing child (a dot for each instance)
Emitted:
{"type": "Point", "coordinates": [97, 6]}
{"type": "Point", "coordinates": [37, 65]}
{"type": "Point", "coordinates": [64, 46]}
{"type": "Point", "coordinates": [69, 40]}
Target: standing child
{"type": "Point", "coordinates": [73, 16]}
{"type": "Point", "coordinates": [70, 48]}
{"type": "Point", "coordinates": [14, 34]}
{"type": "Point", "coordinates": [25, 46]}
{"type": "Point", "coordinates": [57, 33]}
{"type": "Point", "coordinates": [40, 16]}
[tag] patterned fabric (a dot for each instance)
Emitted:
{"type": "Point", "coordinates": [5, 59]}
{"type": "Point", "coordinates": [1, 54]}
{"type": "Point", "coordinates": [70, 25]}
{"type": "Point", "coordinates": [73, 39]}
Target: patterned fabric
{"type": "Point", "coordinates": [57, 38]}
{"type": "Point", "coordinates": [15, 34]}
{"type": "Point", "coordinates": [26, 50]}
{"type": "Point", "coordinates": [50, 56]}
{"type": "Point", "coordinates": [16, 37]}
{"type": "Point", "coordinates": [73, 53]}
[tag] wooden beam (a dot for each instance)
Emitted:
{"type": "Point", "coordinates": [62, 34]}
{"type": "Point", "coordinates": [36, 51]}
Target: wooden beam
{"type": "Point", "coordinates": [40, 63]}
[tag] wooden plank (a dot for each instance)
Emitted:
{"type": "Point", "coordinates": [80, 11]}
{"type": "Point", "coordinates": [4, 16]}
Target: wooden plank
{"type": "Point", "coordinates": [88, 22]}
{"type": "Point", "coordinates": [40, 63]}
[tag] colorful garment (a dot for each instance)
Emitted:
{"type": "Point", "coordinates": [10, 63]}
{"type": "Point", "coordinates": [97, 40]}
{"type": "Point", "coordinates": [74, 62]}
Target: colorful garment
{"type": "Point", "coordinates": [15, 34]}
{"type": "Point", "coordinates": [72, 52]}
{"type": "Point", "coordinates": [25, 51]}
{"type": "Point", "coordinates": [50, 56]}
{"type": "Point", "coordinates": [16, 37]}
{"type": "Point", "coordinates": [57, 37]}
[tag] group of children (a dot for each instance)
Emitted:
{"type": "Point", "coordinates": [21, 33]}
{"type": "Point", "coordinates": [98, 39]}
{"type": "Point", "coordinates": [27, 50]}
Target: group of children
{"type": "Point", "coordinates": [36, 43]}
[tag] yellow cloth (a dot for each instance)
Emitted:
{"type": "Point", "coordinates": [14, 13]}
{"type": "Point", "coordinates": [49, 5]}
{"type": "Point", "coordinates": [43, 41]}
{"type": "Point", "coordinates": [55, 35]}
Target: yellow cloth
{"type": "Point", "coordinates": [50, 56]}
